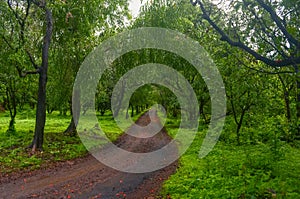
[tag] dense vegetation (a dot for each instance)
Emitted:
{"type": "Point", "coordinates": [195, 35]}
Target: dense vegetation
{"type": "Point", "coordinates": [264, 169]}
{"type": "Point", "coordinates": [254, 43]}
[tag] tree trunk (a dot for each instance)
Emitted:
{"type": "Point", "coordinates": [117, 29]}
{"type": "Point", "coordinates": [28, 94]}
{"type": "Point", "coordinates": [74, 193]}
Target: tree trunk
{"type": "Point", "coordinates": [119, 101]}
{"type": "Point", "coordinates": [298, 92]}
{"type": "Point", "coordinates": [132, 110]}
{"type": "Point", "coordinates": [38, 139]}
{"type": "Point", "coordinates": [71, 130]}
{"type": "Point", "coordinates": [287, 105]}
{"type": "Point", "coordinates": [12, 105]}
{"type": "Point", "coordinates": [239, 125]}
{"type": "Point", "coordinates": [286, 97]}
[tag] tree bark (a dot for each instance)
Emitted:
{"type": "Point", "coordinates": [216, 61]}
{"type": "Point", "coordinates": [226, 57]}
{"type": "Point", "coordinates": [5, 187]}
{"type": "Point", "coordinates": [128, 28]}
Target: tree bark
{"type": "Point", "coordinates": [38, 139]}
{"type": "Point", "coordinates": [119, 101]}
{"type": "Point", "coordinates": [71, 130]}
{"type": "Point", "coordinates": [298, 90]}
{"type": "Point", "coordinates": [239, 125]}
{"type": "Point", "coordinates": [11, 104]}
{"type": "Point", "coordinates": [286, 96]}
{"type": "Point", "coordinates": [287, 105]}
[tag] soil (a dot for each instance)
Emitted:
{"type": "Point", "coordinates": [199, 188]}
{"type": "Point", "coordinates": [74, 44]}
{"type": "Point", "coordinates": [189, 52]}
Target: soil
{"type": "Point", "coordinates": [86, 177]}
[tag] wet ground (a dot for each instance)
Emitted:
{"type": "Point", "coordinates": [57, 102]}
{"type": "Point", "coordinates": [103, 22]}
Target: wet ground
{"type": "Point", "coordinates": [88, 178]}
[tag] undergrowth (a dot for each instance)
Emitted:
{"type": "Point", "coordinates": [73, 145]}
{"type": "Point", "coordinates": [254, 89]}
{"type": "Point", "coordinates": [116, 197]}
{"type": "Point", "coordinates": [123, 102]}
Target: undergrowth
{"type": "Point", "coordinates": [57, 146]}
{"type": "Point", "coordinates": [250, 170]}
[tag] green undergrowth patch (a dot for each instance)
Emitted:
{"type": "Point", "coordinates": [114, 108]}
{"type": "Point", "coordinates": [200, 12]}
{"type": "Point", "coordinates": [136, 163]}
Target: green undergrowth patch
{"type": "Point", "coordinates": [57, 146]}
{"type": "Point", "coordinates": [231, 171]}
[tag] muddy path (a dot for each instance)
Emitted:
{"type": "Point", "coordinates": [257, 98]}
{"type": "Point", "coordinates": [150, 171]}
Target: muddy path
{"type": "Point", "coordinates": [88, 178]}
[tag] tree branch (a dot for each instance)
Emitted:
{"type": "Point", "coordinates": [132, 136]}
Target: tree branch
{"type": "Point", "coordinates": [278, 22]}
{"type": "Point", "coordinates": [262, 70]}
{"type": "Point", "coordinates": [25, 73]}
{"type": "Point", "coordinates": [32, 59]}
{"type": "Point", "coordinates": [265, 29]}
{"type": "Point", "coordinates": [14, 12]}
{"type": "Point", "coordinates": [21, 21]}
{"type": "Point", "coordinates": [224, 37]}
{"type": "Point", "coordinates": [8, 43]}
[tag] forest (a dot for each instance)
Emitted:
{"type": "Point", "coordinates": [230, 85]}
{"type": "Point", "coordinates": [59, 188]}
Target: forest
{"type": "Point", "coordinates": [254, 46]}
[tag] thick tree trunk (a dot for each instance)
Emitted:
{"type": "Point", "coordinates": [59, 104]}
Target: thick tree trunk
{"type": "Point", "coordinates": [38, 139]}
{"type": "Point", "coordinates": [40, 112]}
{"type": "Point", "coordinates": [71, 130]}
{"type": "Point", "coordinates": [119, 101]}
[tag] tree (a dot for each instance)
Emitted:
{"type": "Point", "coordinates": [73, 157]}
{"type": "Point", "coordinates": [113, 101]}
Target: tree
{"type": "Point", "coordinates": [79, 28]}
{"type": "Point", "coordinates": [18, 41]}
{"type": "Point", "coordinates": [77, 25]}
{"type": "Point", "coordinates": [269, 31]}
{"type": "Point", "coordinates": [243, 90]}
{"type": "Point", "coordinates": [179, 16]}
{"type": "Point", "coordinates": [9, 85]}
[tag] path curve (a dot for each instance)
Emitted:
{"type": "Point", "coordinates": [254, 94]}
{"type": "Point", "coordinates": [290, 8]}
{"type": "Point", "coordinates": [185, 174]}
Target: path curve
{"type": "Point", "coordinates": [87, 178]}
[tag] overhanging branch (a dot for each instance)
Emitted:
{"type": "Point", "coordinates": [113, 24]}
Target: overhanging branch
{"type": "Point", "coordinates": [25, 73]}
{"type": "Point", "coordinates": [224, 37]}
{"type": "Point", "coordinates": [278, 22]}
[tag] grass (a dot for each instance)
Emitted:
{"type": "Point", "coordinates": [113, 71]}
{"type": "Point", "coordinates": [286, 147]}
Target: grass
{"type": "Point", "coordinates": [57, 146]}
{"type": "Point", "coordinates": [230, 171]}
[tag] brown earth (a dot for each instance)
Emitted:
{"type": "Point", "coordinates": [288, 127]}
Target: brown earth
{"type": "Point", "coordinates": [88, 178]}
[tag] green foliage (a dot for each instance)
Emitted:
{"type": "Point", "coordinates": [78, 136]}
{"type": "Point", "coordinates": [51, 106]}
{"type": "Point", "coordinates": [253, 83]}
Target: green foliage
{"type": "Point", "coordinates": [261, 114]}
{"type": "Point", "coordinates": [230, 171]}
{"type": "Point", "coordinates": [57, 147]}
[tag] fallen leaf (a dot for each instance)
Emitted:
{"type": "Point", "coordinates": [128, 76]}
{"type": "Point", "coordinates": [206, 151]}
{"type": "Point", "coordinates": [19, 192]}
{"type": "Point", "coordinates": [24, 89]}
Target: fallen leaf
{"type": "Point", "coordinates": [70, 162]}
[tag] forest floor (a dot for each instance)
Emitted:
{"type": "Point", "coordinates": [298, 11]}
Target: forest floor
{"type": "Point", "coordinates": [86, 177]}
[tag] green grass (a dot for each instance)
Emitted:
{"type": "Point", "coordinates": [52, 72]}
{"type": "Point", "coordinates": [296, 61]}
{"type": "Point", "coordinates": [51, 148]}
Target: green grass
{"type": "Point", "coordinates": [57, 146]}
{"type": "Point", "coordinates": [230, 171]}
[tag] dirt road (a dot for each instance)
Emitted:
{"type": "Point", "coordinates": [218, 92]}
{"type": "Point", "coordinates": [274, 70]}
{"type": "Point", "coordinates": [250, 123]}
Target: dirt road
{"type": "Point", "coordinates": [88, 178]}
